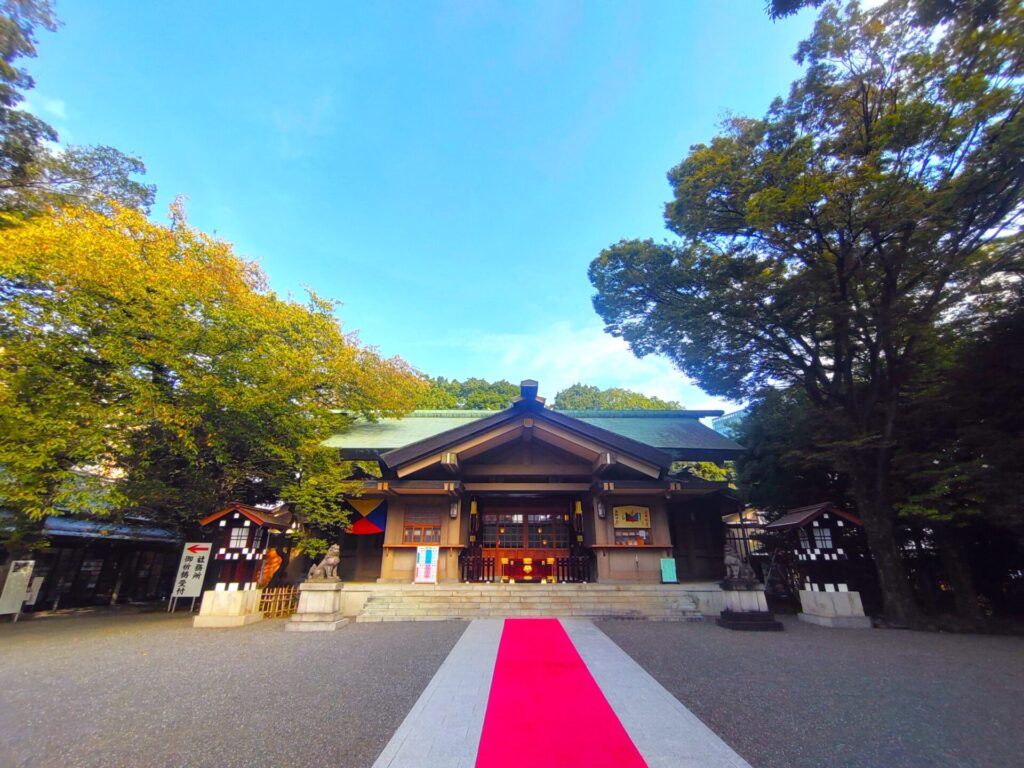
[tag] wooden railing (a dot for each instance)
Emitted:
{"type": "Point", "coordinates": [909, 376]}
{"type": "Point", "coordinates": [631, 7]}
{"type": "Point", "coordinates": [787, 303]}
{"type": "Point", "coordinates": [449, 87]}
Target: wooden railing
{"type": "Point", "coordinates": [279, 602]}
{"type": "Point", "coordinates": [476, 567]}
{"type": "Point", "coordinates": [574, 569]}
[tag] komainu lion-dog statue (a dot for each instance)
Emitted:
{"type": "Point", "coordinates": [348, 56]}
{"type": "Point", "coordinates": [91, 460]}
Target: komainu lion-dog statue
{"type": "Point", "coordinates": [328, 567]}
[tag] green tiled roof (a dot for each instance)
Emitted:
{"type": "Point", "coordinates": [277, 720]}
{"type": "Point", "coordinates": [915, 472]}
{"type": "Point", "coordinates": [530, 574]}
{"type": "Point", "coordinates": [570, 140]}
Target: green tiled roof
{"type": "Point", "coordinates": [672, 431]}
{"type": "Point", "coordinates": [387, 434]}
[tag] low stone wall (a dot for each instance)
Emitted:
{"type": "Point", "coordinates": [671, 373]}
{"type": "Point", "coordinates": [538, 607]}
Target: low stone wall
{"type": "Point", "coordinates": [704, 598]}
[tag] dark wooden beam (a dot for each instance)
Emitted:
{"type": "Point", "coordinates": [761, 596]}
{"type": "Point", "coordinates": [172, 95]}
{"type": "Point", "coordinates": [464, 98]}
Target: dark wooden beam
{"type": "Point", "coordinates": [527, 487]}
{"type": "Point", "coordinates": [526, 470]}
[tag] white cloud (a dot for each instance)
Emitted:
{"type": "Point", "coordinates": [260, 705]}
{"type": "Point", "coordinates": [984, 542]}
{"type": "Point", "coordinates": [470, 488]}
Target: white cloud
{"type": "Point", "coordinates": [53, 111]}
{"type": "Point", "coordinates": [564, 354]}
{"type": "Point", "coordinates": [55, 107]}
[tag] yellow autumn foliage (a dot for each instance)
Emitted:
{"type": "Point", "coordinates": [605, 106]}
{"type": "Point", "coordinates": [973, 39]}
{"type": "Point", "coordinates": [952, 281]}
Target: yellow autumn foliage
{"type": "Point", "coordinates": [157, 350]}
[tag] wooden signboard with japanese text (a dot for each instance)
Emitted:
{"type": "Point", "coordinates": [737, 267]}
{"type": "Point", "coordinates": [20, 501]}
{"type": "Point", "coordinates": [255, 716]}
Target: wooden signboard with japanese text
{"type": "Point", "coordinates": [631, 517]}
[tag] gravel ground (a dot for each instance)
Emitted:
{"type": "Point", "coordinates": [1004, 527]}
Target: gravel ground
{"type": "Point", "coordinates": [812, 696]}
{"type": "Point", "coordinates": [148, 690]}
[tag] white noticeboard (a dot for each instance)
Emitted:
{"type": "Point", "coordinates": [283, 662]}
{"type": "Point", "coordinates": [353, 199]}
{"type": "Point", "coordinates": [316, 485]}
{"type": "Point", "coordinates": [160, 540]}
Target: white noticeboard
{"type": "Point", "coordinates": [16, 588]}
{"type": "Point", "coordinates": [426, 565]}
{"type": "Point", "coordinates": [192, 569]}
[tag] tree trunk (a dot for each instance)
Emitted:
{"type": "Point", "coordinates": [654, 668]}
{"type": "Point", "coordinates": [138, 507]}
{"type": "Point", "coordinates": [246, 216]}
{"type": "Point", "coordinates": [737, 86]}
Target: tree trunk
{"type": "Point", "coordinates": [958, 571]}
{"type": "Point", "coordinates": [897, 595]}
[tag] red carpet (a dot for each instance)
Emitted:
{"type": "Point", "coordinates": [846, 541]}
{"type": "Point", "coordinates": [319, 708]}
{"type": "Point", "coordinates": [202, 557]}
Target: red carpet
{"type": "Point", "coordinates": [545, 710]}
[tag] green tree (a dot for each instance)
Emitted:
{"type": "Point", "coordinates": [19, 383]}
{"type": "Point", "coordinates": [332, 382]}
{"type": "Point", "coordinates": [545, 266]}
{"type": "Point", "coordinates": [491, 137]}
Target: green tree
{"type": "Point", "coordinates": [929, 12]}
{"type": "Point", "coordinates": [144, 366]}
{"type": "Point", "coordinates": [783, 466]}
{"type": "Point", "coordinates": [819, 247]}
{"type": "Point", "coordinates": [958, 470]}
{"type": "Point", "coordinates": [33, 173]}
{"type": "Point", "coordinates": [585, 397]}
{"type": "Point", "coordinates": [473, 394]}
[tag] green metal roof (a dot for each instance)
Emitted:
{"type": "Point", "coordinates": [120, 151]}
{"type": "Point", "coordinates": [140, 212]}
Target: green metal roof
{"type": "Point", "coordinates": [676, 432]}
{"type": "Point", "coordinates": [388, 434]}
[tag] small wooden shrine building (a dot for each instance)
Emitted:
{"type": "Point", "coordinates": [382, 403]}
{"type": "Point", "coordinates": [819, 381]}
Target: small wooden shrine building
{"type": "Point", "coordinates": [241, 538]}
{"type": "Point", "coordinates": [827, 546]}
{"type": "Point", "coordinates": [530, 494]}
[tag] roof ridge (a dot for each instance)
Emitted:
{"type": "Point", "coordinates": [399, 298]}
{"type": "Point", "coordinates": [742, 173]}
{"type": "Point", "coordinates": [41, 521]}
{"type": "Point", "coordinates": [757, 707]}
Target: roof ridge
{"type": "Point", "coordinates": [590, 413]}
{"type": "Point", "coordinates": [451, 413]}
{"type": "Point", "coordinates": [638, 413]}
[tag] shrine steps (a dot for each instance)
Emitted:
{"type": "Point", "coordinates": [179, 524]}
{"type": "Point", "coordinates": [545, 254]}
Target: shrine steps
{"type": "Point", "coordinates": [653, 602]}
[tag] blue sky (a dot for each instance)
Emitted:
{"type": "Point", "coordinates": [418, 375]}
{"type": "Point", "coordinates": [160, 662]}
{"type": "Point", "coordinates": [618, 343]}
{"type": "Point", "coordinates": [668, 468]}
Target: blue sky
{"type": "Point", "coordinates": [447, 170]}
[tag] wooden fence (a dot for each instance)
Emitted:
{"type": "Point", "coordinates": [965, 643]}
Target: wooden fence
{"type": "Point", "coordinates": [279, 602]}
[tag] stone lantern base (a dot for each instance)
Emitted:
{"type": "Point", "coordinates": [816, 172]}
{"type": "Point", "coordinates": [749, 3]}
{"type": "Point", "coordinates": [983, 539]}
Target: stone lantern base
{"type": "Point", "coordinates": [833, 609]}
{"type": "Point", "coordinates": [746, 608]}
{"type": "Point", "coordinates": [320, 607]}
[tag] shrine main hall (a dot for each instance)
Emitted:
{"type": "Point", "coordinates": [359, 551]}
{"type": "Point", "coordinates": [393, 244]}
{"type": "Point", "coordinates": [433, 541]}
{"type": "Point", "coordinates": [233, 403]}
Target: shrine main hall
{"type": "Point", "coordinates": [532, 495]}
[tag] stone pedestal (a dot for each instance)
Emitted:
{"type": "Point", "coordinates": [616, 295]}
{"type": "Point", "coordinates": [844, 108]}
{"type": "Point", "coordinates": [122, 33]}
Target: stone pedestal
{"type": "Point", "coordinates": [833, 609]}
{"type": "Point", "coordinates": [320, 607]}
{"type": "Point", "coordinates": [746, 608]}
{"type": "Point", "coordinates": [229, 609]}
{"type": "Point", "coordinates": [744, 601]}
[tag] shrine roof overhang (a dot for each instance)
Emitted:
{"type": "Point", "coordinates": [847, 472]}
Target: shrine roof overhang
{"type": "Point", "coordinates": [801, 516]}
{"type": "Point", "coordinates": [280, 517]}
{"type": "Point", "coordinates": [659, 437]}
{"type": "Point", "coordinates": [526, 420]}
{"type": "Point", "coordinates": [669, 488]}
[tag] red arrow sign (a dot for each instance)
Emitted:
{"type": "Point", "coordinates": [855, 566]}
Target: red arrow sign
{"type": "Point", "coordinates": [196, 548]}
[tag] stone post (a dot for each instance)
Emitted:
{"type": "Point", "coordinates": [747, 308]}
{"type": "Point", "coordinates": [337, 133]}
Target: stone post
{"type": "Point", "coordinates": [833, 609]}
{"type": "Point", "coordinates": [229, 609]}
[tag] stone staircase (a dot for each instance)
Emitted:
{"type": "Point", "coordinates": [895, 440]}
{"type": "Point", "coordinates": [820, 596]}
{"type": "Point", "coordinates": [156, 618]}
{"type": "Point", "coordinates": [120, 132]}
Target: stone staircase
{"type": "Point", "coordinates": [422, 602]}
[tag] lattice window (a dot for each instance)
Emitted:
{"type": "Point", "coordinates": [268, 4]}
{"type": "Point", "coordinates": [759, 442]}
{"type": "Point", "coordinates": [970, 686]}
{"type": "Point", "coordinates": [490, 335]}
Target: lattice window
{"type": "Point", "coordinates": [547, 531]}
{"type": "Point", "coordinates": [422, 527]}
{"type": "Point", "coordinates": [504, 531]}
{"type": "Point", "coordinates": [239, 538]}
{"type": "Point", "coordinates": [823, 538]}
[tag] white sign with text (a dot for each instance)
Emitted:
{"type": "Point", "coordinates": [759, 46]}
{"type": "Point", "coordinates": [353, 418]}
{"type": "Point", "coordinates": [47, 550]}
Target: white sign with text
{"type": "Point", "coordinates": [426, 565]}
{"type": "Point", "coordinates": [192, 569]}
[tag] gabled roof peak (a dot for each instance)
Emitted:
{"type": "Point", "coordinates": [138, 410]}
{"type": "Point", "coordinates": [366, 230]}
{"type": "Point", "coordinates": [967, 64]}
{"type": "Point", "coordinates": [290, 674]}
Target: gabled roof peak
{"type": "Point", "coordinates": [463, 413]}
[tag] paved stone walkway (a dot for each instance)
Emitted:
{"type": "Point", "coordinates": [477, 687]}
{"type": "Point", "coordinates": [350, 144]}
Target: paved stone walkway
{"type": "Point", "coordinates": [445, 724]}
{"type": "Point", "coordinates": [443, 727]}
{"type": "Point", "coordinates": [667, 734]}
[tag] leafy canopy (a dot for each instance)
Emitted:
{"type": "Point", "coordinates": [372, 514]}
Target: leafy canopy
{"type": "Point", "coordinates": [149, 366]}
{"type": "Point", "coordinates": [818, 245]}
{"type": "Point", "coordinates": [825, 245]}
{"type": "Point", "coordinates": [470, 394]}
{"type": "Point", "coordinates": [963, 434]}
{"type": "Point", "coordinates": [480, 394]}
{"type": "Point", "coordinates": [585, 397]}
{"type": "Point", "coordinates": [34, 171]}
